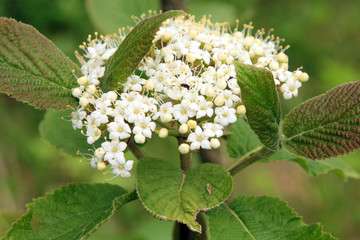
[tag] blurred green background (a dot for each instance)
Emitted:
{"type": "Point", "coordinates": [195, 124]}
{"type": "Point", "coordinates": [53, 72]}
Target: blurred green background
{"type": "Point", "coordinates": [324, 36]}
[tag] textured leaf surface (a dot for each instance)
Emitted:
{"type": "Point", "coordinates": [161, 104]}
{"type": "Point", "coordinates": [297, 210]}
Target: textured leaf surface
{"type": "Point", "coordinates": [132, 50]}
{"type": "Point", "coordinates": [242, 139]}
{"type": "Point", "coordinates": [60, 133]}
{"type": "Point", "coordinates": [259, 95]}
{"type": "Point", "coordinates": [33, 69]}
{"type": "Point", "coordinates": [325, 126]}
{"type": "Point", "coordinates": [109, 15]}
{"type": "Point", "coordinates": [316, 168]}
{"type": "Point", "coordinates": [73, 212]}
{"type": "Point", "coordinates": [260, 218]}
{"type": "Point", "coordinates": [171, 194]}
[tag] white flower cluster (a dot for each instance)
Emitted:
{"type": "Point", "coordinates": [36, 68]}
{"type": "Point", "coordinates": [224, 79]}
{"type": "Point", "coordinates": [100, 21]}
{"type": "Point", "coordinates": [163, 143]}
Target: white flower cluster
{"type": "Point", "coordinates": [187, 87]}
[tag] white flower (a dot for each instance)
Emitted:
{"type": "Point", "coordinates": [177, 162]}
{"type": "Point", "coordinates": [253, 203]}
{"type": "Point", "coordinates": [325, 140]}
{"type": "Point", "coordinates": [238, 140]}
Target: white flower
{"type": "Point", "coordinates": [144, 126]}
{"type": "Point", "coordinates": [213, 129]}
{"type": "Point", "coordinates": [77, 118]}
{"type": "Point", "coordinates": [198, 139]}
{"type": "Point", "coordinates": [119, 129]}
{"type": "Point", "coordinates": [225, 115]}
{"type": "Point", "coordinates": [290, 88]}
{"type": "Point", "coordinates": [114, 151]}
{"type": "Point", "coordinates": [122, 168]}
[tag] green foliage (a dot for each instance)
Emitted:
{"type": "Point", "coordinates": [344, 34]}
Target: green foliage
{"type": "Point", "coordinates": [242, 140]}
{"type": "Point", "coordinates": [316, 168]}
{"type": "Point", "coordinates": [33, 69]}
{"type": "Point", "coordinates": [325, 126]}
{"type": "Point", "coordinates": [260, 218]}
{"type": "Point", "coordinates": [171, 194]}
{"type": "Point", "coordinates": [60, 133]}
{"type": "Point", "coordinates": [132, 49]}
{"type": "Point", "coordinates": [259, 95]}
{"type": "Point", "coordinates": [73, 212]}
{"type": "Point", "coordinates": [108, 15]}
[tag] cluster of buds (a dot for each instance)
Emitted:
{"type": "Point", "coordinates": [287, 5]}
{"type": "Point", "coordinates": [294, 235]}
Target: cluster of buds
{"type": "Point", "coordinates": [185, 86]}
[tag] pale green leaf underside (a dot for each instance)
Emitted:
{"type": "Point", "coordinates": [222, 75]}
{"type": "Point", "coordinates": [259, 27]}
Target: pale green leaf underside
{"type": "Point", "coordinates": [73, 212]}
{"type": "Point", "coordinates": [325, 126]}
{"type": "Point", "coordinates": [109, 15]}
{"type": "Point", "coordinates": [242, 139]}
{"type": "Point", "coordinates": [171, 194]}
{"type": "Point", "coordinates": [260, 218]}
{"type": "Point", "coordinates": [132, 50]}
{"type": "Point", "coordinates": [316, 168]}
{"type": "Point", "coordinates": [33, 69]}
{"type": "Point", "coordinates": [259, 95]}
{"type": "Point", "coordinates": [61, 134]}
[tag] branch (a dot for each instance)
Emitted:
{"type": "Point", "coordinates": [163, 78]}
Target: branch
{"type": "Point", "coordinates": [249, 159]}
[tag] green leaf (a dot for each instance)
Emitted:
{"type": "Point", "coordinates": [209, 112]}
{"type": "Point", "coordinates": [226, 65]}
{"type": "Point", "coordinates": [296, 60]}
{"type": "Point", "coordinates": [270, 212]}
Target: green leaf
{"type": "Point", "coordinates": [132, 49]}
{"type": "Point", "coordinates": [61, 134]}
{"type": "Point", "coordinates": [260, 218]}
{"type": "Point", "coordinates": [109, 15]}
{"type": "Point", "coordinates": [171, 194]}
{"type": "Point", "coordinates": [73, 212]}
{"type": "Point", "coordinates": [316, 168]}
{"type": "Point", "coordinates": [325, 126]}
{"type": "Point", "coordinates": [242, 139]}
{"type": "Point", "coordinates": [259, 95]}
{"type": "Point", "coordinates": [33, 69]}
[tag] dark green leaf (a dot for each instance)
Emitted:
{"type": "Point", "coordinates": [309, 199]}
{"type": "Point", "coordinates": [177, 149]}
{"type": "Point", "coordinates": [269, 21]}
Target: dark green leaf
{"type": "Point", "coordinates": [171, 194]}
{"type": "Point", "coordinates": [264, 218]}
{"type": "Point", "coordinates": [132, 50]}
{"type": "Point", "coordinates": [325, 126]}
{"type": "Point", "coordinates": [33, 69]}
{"type": "Point", "coordinates": [259, 95]}
{"type": "Point", "coordinates": [109, 15]}
{"type": "Point", "coordinates": [242, 139]}
{"type": "Point", "coordinates": [60, 133]}
{"type": "Point", "coordinates": [316, 168]}
{"type": "Point", "coordinates": [73, 212]}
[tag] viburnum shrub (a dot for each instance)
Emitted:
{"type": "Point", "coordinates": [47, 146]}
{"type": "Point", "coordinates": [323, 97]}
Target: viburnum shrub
{"type": "Point", "coordinates": [203, 83]}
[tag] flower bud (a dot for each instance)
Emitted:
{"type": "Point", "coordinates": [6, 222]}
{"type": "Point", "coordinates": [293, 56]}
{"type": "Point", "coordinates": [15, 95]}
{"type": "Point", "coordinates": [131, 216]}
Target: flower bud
{"type": "Point", "coordinates": [241, 110]}
{"type": "Point", "coordinates": [248, 41]}
{"type": "Point", "coordinates": [208, 47]}
{"type": "Point", "coordinates": [238, 34]}
{"type": "Point", "coordinates": [191, 124]}
{"type": "Point", "coordinates": [112, 96]}
{"type": "Point", "coordinates": [274, 65]}
{"type": "Point", "coordinates": [214, 143]}
{"type": "Point", "coordinates": [139, 138]}
{"type": "Point", "coordinates": [150, 84]}
{"type": "Point", "coordinates": [101, 166]}
{"type": "Point", "coordinates": [77, 92]}
{"type": "Point", "coordinates": [83, 101]}
{"type": "Point", "coordinates": [163, 133]}
{"type": "Point", "coordinates": [210, 91]}
{"type": "Point", "coordinates": [193, 33]}
{"type": "Point", "coordinates": [184, 148]}
{"type": "Point", "coordinates": [100, 152]}
{"type": "Point", "coordinates": [282, 57]}
{"type": "Point", "coordinates": [221, 84]}
{"type": "Point", "coordinates": [304, 77]}
{"type": "Point", "coordinates": [190, 58]}
{"type": "Point", "coordinates": [91, 89]}
{"type": "Point", "coordinates": [82, 81]}
{"type": "Point", "coordinates": [222, 56]}
{"type": "Point", "coordinates": [166, 36]}
{"type": "Point", "coordinates": [219, 101]}
{"type": "Point", "coordinates": [259, 51]}
{"type": "Point", "coordinates": [166, 117]}
{"type": "Point", "coordinates": [183, 128]}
